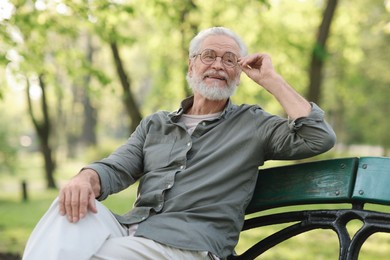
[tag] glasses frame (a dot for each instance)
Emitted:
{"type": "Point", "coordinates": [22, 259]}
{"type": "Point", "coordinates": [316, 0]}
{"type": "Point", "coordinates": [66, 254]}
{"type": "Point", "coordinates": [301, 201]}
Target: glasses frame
{"type": "Point", "coordinates": [216, 56]}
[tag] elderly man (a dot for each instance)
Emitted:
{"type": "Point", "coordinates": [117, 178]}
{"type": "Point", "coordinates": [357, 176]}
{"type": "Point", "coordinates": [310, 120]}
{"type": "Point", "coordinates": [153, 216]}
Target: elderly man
{"type": "Point", "coordinates": [197, 166]}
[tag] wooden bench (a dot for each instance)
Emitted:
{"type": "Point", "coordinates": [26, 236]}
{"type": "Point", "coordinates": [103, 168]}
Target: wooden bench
{"type": "Point", "coordinates": [351, 181]}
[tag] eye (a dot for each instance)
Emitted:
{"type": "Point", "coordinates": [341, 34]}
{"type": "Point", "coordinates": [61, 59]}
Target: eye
{"type": "Point", "coordinates": [230, 58]}
{"type": "Point", "coordinates": [208, 55]}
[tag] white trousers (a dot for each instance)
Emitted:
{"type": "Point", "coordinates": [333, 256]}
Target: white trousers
{"type": "Point", "coordinates": [97, 236]}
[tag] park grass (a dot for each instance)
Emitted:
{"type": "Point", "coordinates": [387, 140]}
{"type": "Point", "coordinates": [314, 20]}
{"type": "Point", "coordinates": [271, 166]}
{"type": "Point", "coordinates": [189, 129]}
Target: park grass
{"type": "Point", "coordinates": [17, 219]}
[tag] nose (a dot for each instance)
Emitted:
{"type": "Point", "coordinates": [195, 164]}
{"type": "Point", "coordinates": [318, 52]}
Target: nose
{"type": "Point", "coordinates": [217, 63]}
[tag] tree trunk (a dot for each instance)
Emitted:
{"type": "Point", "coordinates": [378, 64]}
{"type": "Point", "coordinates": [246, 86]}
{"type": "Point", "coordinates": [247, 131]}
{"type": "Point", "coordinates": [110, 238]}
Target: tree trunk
{"type": "Point", "coordinates": [187, 31]}
{"type": "Point", "coordinates": [128, 98]}
{"type": "Point", "coordinates": [43, 130]}
{"type": "Point", "coordinates": [90, 113]}
{"type": "Point", "coordinates": [319, 53]}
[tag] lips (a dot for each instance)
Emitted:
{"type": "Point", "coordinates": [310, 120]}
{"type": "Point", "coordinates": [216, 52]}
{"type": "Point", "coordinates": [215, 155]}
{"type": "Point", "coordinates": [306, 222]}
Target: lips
{"type": "Point", "coordinates": [215, 76]}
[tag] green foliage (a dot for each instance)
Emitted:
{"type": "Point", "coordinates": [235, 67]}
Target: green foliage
{"type": "Point", "coordinates": [96, 153]}
{"type": "Point", "coordinates": [8, 151]}
{"type": "Point", "coordinates": [320, 52]}
{"type": "Point", "coordinates": [356, 89]}
{"type": "Point", "coordinates": [10, 134]}
{"type": "Point", "coordinates": [154, 36]}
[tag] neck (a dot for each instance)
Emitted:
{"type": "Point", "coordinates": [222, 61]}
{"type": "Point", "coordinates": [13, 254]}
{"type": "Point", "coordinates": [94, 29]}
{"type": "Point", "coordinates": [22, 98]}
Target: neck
{"type": "Point", "coordinates": [204, 106]}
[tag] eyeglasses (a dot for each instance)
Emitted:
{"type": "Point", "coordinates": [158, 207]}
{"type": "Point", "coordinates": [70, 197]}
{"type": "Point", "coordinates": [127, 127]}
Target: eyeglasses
{"type": "Point", "coordinates": [208, 57]}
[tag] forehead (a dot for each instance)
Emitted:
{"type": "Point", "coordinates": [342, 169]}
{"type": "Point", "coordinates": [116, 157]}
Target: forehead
{"type": "Point", "coordinates": [220, 43]}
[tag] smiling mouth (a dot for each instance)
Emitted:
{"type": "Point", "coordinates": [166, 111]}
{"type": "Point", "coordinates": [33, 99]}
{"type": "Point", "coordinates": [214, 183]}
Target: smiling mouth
{"type": "Point", "coordinates": [215, 77]}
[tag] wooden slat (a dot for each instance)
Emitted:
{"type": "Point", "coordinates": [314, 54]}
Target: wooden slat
{"type": "Point", "coordinates": [327, 181]}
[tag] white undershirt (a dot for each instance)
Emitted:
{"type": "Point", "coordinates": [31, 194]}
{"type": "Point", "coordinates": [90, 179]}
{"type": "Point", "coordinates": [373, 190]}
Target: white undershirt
{"type": "Point", "coordinates": [191, 121]}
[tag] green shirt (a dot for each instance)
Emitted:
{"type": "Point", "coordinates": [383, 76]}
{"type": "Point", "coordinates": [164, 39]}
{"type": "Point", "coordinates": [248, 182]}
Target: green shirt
{"type": "Point", "coordinates": [194, 189]}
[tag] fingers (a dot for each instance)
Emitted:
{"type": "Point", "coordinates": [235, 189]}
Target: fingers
{"type": "Point", "coordinates": [252, 61]}
{"type": "Point", "coordinates": [72, 205]}
{"type": "Point", "coordinates": [61, 202]}
{"type": "Point", "coordinates": [65, 199]}
{"type": "Point", "coordinates": [81, 205]}
{"type": "Point", "coordinates": [75, 201]}
{"type": "Point", "coordinates": [251, 65]}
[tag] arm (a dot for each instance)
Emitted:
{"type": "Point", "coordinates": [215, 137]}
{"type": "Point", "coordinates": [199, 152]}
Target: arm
{"type": "Point", "coordinates": [259, 68]}
{"type": "Point", "coordinates": [299, 139]}
{"type": "Point", "coordinates": [78, 195]}
{"type": "Point", "coordinates": [100, 179]}
{"type": "Point", "coordinates": [307, 134]}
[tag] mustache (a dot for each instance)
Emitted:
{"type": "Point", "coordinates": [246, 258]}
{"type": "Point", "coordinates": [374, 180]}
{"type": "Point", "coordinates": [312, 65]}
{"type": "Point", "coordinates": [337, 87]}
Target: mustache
{"type": "Point", "coordinates": [215, 74]}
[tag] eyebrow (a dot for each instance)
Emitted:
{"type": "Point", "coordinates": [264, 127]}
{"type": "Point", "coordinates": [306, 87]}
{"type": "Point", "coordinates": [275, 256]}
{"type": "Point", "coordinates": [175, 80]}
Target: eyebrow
{"type": "Point", "coordinates": [237, 54]}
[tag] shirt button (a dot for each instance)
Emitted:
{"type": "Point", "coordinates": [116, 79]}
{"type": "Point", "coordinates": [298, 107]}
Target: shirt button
{"type": "Point", "coordinates": [143, 218]}
{"type": "Point", "coordinates": [169, 186]}
{"type": "Point", "coordinates": [204, 123]}
{"type": "Point", "coordinates": [188, 144]}
{"type": "Point", "coordinates": [181, 167]}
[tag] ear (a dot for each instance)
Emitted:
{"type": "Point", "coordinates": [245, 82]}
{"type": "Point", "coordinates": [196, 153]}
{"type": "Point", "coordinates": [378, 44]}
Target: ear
{"type": "Point", "coordinates": [190, 66]}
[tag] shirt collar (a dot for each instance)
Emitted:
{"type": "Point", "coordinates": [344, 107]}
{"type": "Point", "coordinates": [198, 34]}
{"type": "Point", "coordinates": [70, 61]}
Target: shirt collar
{"type": "Point", "coordinates": [187, 103]}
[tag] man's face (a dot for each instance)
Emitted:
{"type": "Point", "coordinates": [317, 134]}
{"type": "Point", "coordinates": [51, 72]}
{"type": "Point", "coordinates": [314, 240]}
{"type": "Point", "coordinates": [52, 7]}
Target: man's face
{"type": "Point", "coordinates": [217, 80]}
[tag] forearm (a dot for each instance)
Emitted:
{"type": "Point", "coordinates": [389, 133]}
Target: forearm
{"type": "Point", "coordinates": [292, 102]}
{"type": "Point", "coordinates": [259, 68]}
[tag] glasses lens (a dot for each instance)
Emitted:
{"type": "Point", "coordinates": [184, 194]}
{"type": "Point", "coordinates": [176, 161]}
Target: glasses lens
{"type": "Point", "coordinates": [229, 59]}
{"type": "Point", "coordinates": [209, 56]}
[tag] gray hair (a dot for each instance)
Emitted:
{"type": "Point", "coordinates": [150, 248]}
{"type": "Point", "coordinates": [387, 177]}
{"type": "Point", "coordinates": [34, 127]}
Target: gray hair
{"type": "Point", "coordinates": [196, 42]}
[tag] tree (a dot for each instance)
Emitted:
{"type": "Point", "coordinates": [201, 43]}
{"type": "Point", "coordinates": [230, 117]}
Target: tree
{"type": "Point", "coordinates": [128, 99]}
{"type": "Point", "coordinates": [319, 53]}
{"type": "Point", "coordinates": [29, 34]}
{"type": "Point", "coordinates": [107, 20]}
{"type": "Point", "coordinates": [43, 129]}
{"type": "Point", "coordinates": [90, 113]}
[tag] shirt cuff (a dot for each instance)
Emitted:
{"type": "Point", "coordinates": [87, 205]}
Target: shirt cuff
{"type": "Point", "coordinates": [316, 115]}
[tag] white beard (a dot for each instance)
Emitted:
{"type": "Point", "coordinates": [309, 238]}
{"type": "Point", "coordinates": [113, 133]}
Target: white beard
{"type": "Point", "coordinates": [212, 91]}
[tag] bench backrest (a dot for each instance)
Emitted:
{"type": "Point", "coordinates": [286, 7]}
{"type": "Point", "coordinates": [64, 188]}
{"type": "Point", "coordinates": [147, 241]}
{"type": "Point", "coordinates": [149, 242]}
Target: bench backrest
{"type": "Point", "coordinates": [345, 180]}
{"type": "Point", "coordinates": [373, 181]}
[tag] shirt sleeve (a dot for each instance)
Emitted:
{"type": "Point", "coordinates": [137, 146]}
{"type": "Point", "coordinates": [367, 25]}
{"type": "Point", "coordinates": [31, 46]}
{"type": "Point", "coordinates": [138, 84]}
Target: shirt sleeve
{"type": "Point", "coordinates": [123, 167]}
{"type": "Point", "coordinates": [301, 138]}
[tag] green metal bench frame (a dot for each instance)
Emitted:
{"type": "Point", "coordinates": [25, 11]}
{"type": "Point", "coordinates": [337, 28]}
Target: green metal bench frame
{"type": "Point", "coordinates": [353, 181]}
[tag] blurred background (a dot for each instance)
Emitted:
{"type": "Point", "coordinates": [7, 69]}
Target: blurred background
{"type": "Point", "coordinates": [77, 77]}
